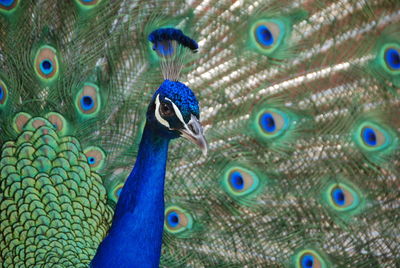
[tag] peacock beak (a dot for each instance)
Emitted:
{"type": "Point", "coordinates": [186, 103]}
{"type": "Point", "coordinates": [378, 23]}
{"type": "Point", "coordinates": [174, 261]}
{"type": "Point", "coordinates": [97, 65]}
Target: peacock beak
{"type": "Point", "coordinates": [193, 131]}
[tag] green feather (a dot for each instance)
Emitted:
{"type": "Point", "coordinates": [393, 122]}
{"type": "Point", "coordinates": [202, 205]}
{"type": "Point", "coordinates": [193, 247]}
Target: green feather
{"type": "Point", "coordinates": [9, 8]}
{"type": "Point", "coordinates": [318, 260]}
{"type": "Point", "coordinates": [384, 140]}
{"type": "Point", "coordinates": [87, 5]}
{"type": "Point", "coordinates": [389, 40]}
{"type": "Point", "coordinates": [353, 201]}
{"type": "Point", "coordinates": [270, 34]}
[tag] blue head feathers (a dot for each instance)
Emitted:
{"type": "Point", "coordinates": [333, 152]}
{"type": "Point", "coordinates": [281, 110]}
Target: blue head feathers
{"type": "Point", "coordinates": [182, 96]}
{"type": "Point", "coordinates": [174, 112]}
{"type": "Point", "coordinates": [173, 106]}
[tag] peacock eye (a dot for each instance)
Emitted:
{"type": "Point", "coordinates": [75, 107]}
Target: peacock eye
{"type": "Point", "coordinates": [166, 109]}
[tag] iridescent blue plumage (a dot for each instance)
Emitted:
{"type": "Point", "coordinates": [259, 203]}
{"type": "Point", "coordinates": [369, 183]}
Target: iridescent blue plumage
{"type": "Point", "coordinates": [134, 239]}
{"type": "Point", "coordinates": [181, 95]}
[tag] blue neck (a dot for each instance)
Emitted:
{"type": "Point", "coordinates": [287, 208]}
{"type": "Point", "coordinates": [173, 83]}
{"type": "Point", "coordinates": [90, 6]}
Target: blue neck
{"type": "Point", "coordinates": [135, 237]}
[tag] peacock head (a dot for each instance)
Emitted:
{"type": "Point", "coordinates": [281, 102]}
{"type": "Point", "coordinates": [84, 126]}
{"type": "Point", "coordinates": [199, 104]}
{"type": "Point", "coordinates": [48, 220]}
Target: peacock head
{"type": "Point", "coordinates": [174, 112]}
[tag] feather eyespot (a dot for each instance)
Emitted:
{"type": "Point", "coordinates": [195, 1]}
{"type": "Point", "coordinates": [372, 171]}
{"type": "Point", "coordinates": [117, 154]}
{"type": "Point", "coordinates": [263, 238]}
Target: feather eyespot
{"type": "Point", "coordinates": [95, 157]}
{"type": "Point", "coordinates": [392, 58]}
{"type": "Point", "coordinates": [369, 136]}
{"type": "Point", "coordinates": [20, 120]}
{"type": "Point", "coordinates": [91, 160]}
{"type": "Point", "coordinates": [342, 197]}
{"type": "Point", "coordinates": [46, 66]}
{"type": "Point", "coordinates": [338, 196]}
{"type": "Point", "coordinates": [264, 35]}
{"type": "Point", "coordinates": [86, 4]}
{"type": "Point", "coordinates": [309, 258]}
{"type": "Point", "coordinates": [267, 122]}
{"type": "Point", "coordinates": [3, 94]}
{"type": "Point", "coordinates": [272, 122]}
{"type": "Point", "coordinates": [173, 219]}
{"type": "Point", "coordinates": [307, 261]}
{"type": "Point", "coordinates": [87, 103]}
{"type": "Point", "coordinates": [268, 35]}
{"type": "Point", "coordinates": [375, 140]}
{"type": "Point", "coordinates": [8, 5]}
{"type": "Point", "coordinates": [276, 126]}
{"type": "Point", "coordinates": [386, 64]}
{"type": "Point", "coordinates": [177, 220]}
{"type": "Point", "coordinates": [58, 121]}
{"type": "Point", "coordinates": [116, 192]}
{"type": "Point", "coordinates": [239, 181]}
{"type": "Point", "coordinates": [46, 63]}
{"type": "Point", "coordinates": [88, 100]}
{"type": "Point", "coordinates": [372, 137]}
{"type": "Point", "coordinates": [236, 180]}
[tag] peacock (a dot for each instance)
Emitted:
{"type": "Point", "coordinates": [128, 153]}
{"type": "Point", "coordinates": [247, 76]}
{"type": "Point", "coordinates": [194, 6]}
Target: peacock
{"type": "Point", "coordinates": [299, 133]}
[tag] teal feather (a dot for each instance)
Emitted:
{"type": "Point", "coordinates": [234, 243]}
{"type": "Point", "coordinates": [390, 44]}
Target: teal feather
{"type": "Point", "coordinates": [301, 119]}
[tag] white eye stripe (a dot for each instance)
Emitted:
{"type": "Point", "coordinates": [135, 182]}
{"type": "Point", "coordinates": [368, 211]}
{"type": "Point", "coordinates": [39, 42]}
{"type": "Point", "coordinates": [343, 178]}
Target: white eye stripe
{"type": "Point", "coordinates": [177, 111]}
{"type": "Point", "coordinates": [157, 113]}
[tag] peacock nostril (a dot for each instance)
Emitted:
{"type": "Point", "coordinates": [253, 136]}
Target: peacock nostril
{"type": "Point", "coordinates": [193, 128]}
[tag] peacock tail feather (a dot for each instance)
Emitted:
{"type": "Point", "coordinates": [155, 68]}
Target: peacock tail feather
{"type": "Point", "coordinates": [300, 103]}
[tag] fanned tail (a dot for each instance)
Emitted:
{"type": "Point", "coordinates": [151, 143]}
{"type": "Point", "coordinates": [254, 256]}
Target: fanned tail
{"type": "Point", "coordinates": [303, 136]}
